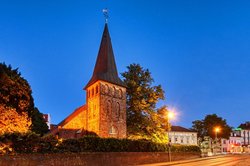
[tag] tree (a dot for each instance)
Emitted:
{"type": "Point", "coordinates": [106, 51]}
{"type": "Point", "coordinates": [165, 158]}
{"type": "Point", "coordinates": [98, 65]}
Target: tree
{"type": "Point", "coordinates": [198, 126]}
{"type": "Point", "coordinates": [142, 97]}
{"type": "Point", "coordinates": [206, 127]}
{"type": "Point", "coordinates": [11, 121]}
{"type": "Point", "coordinates": [38, 125]}
{"type": "Point", "coordinates": [16, 95]}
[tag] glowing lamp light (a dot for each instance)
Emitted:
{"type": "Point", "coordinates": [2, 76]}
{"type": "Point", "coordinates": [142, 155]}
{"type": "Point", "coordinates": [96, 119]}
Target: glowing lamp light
{"type": "Point", "coordinates": [171, 115]}
{"type": "Point", "coordinates": [217, 129]}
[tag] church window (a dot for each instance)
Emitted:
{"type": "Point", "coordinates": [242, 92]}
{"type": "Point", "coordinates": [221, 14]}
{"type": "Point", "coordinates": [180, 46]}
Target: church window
{"type": "Point", "coordinates": [120, 93]}
{"type": "Point", "coordinates": [106, 89]}
{"type": "Point", "coordinates": [110, 91]}
{"type": "Point", "coordinates": [96, 89]}
{"type": "Point", "coordinates": [112, 130]}
{"type": "Point", "coordinates": [93, 91]}
{"type": "Point", "coordinates": [118, 111]}
{"type": "Point", "coordinates": [113, 91]}
{"type": "Point", "coordinates": [109, 108]}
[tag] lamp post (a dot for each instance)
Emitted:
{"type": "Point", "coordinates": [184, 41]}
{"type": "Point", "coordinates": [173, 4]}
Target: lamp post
{"type": "Point", "coordinates": [217, 129]}
{"type": "Point", "coordinates": [170, 115]}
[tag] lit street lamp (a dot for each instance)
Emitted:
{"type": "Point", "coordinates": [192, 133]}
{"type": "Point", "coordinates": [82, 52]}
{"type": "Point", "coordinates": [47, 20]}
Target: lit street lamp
{"type": "Point", "coordinates": [170, 115]}
{"type": "Point", "coordinates": [217, 129]}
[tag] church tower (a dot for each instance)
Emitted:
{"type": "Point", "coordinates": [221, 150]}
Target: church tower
{"type": "Point", "coordinates": [106, 94]}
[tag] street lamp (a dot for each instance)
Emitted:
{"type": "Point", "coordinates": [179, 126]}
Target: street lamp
{"type": "Point", "coordinates": [217, 129]}
{"type": "Point", "coordinates": [170, 115]}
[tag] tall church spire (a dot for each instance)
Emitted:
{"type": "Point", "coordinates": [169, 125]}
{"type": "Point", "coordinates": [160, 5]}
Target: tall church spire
{"type": "Point", "coordinates": [105, 67]}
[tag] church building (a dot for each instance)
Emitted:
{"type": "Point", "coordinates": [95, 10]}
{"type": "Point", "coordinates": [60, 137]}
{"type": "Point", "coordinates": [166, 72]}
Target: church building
{"type": "Point", "coordinates": [105, 110]}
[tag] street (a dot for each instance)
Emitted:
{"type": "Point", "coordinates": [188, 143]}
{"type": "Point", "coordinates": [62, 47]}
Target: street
{"type": "Point", "coordinates": [225, 160]}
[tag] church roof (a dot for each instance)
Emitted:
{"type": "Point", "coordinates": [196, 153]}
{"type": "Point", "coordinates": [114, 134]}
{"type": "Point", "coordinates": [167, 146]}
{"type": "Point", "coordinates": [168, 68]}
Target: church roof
{"type": "Point", "coordinates": [105, 67]}
{"type": "Point", "coordinates": [73, 115]}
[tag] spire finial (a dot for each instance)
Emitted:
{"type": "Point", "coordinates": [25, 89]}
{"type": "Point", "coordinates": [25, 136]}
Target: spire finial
{"type": "Point", "coordinates": [106, 15]}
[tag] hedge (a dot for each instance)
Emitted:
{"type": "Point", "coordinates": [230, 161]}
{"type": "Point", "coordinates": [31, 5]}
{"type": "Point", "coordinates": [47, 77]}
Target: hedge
{"type": "Point", "coordinates": [32, 143]}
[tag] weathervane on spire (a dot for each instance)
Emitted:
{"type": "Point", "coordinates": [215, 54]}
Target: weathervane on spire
{"type": "Point", "coordinates": [106, 15]}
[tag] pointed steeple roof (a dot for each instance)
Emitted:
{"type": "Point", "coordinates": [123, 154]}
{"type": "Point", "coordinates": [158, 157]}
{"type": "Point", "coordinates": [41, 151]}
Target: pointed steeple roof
{"type": "Point", "coordinates": [105, 67]}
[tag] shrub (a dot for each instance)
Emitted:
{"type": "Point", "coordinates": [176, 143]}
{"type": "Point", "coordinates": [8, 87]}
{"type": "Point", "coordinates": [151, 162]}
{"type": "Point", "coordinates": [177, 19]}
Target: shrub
{"type": "Point", "coordinates": [182, 148]}
{"type": "Point", "coordinates": [30, 143]}
{"type": "Point", "coordinates": [48, 144]}
{"type": "Point", "coordinates": [69, 145]}
{"type": "Point", "coordinates": [21, 143]}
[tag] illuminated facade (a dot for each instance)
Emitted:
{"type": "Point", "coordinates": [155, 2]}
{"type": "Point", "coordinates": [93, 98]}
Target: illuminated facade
{"type": "Point", "coordinates": [183, 136]}
{"type": "Point", "coordinates": [238, 141]}
{"type": "Point", "coordinates": [105, 110]}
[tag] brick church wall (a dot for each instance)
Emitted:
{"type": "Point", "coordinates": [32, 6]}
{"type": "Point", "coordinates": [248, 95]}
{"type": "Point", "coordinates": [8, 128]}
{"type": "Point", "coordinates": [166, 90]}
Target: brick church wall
{"type": "Point", "coordinates": [93, 105]}
{"type": "Point", "coordinates": [113, 111]}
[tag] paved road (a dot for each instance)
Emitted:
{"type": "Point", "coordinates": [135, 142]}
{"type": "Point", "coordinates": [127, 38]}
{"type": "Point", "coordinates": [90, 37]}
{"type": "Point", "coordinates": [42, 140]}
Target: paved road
{"type": "Point", "coordinates": [226, 160]}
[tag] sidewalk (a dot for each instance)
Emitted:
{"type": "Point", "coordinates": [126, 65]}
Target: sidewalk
{"type": "Point", "coordinates": [245, 162]}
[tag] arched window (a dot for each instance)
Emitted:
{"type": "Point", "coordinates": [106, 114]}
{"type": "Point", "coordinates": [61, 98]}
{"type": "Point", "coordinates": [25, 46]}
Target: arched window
{"type": "Point", "coordinates": [106, 89]}
{"type": "Point", "coordinates": [112, 130]}
{"type": "Point", "coordinates": [113, 91]}
{"type": "Point", "coordinates": [109, 108]}
{"type": "Point", "coordinates": [96, 89]}
{"type": "Point", "coordinates": [120, 93]}
{"type": "Point", "coordinates": [118, 111]}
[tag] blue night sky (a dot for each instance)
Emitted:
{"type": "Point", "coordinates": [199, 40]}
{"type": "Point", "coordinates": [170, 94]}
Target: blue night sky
{"type": "Point", "coordinates": [199, 51]}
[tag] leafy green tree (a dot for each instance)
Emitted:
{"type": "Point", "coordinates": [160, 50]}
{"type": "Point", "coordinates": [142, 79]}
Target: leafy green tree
{"type": "Point", "coordinates": [15, 93]}
{"type": "Point", "coordinates": [142, 97]}
{"type": "Point", "coordinates": [206, 127]}
{"type": "Point", "coordinates": [198, 126]}
{"type": "Point", "coordinates": [38, 125]}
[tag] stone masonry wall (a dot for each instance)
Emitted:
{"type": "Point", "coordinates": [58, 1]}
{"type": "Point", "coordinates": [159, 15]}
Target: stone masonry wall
{"type": "Point", "coordinates": [112, 111]}
{"type": "Point", "coordinates": [94, 159]}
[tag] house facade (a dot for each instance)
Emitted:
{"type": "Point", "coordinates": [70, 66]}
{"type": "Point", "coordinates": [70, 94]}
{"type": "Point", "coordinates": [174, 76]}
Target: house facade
{"type": "Point", "coordinates": [238, 141]}
{"type": "Point", "coordinates": [182, 136]}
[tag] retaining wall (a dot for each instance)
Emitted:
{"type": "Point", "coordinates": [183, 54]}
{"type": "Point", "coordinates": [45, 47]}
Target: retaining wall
{"type": "Point", "coordinates": [93, 159]}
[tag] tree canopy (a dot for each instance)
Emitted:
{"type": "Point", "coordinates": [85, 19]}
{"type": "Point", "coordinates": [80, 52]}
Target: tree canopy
{"type": "Point", "coordinates": [16, 96]}
{"type": "Point", "coordinates": [144, 120]}
{"type": "Point", "coordinates": [206, 127]}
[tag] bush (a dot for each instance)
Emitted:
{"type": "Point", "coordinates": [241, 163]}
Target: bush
{"type": "Point", "coordinates": [30, 143]}
{"type": "Point", "coordinates": [48, 144]}
{"type": "Point", "coordinates": [182, 148]}
{"type": "Point", "coordinates": [21, 143]}
{"type": "Point", "coordinates": [69, 145]}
